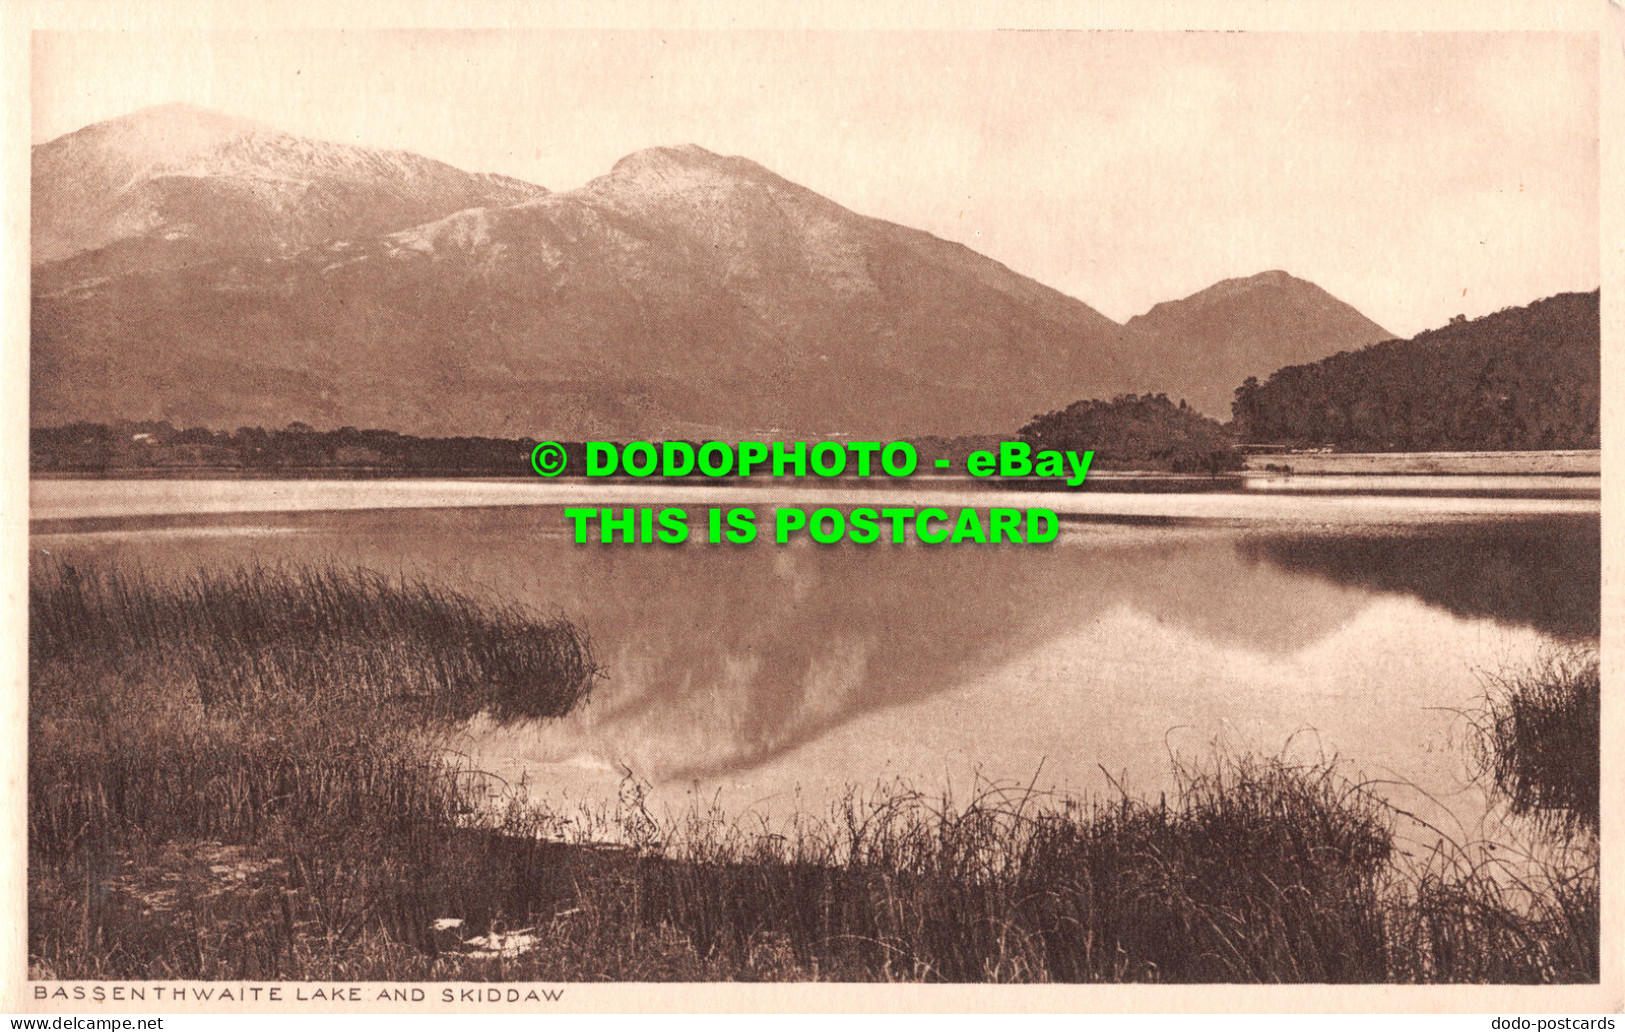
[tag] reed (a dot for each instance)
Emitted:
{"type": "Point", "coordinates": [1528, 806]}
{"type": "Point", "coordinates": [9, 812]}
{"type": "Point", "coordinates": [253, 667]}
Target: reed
{"type": "Point", "coordinates": [330, 638]}
{"type": "Point", "coordinates": [1539, 737]}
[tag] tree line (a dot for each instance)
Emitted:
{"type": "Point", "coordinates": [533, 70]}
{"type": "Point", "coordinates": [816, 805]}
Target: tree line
{"type": "Point", "coordinates": [1524, 378]}
{"type": "Point", "coordinates": [1127, 433]}
{"type": "Point", "coordinates": [1521, 379]}
{"type": "Point", "coordinates": [157, 446]}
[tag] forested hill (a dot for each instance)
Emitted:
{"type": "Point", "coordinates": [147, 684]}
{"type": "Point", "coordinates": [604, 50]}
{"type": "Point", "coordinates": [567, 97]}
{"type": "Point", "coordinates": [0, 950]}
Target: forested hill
{"type": "Point", "coordinates": [1523, 378]}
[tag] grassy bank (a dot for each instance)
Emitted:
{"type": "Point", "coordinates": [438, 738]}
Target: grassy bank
{"type": "Point", "coordinates": [243, 776]}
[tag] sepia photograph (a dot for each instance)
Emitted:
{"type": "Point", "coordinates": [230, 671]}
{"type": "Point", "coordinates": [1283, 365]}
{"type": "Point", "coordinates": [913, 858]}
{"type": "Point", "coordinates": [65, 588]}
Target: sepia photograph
{"type": "Point", "coordinates": [527, 506]}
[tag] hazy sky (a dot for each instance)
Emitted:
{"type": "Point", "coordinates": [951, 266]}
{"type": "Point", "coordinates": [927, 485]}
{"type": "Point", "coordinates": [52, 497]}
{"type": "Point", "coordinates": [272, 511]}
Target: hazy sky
{"type": "Point", "coordinates": [1413, 175]}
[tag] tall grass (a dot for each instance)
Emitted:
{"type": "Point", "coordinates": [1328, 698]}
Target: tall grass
{"type": "Point", "coordinates": [1256, 871]}
{"type": "Point", "coordinates": [327, 637]}
{"type": "Point", "coordinates": [1540, 737]}
{"type": "Point", "coordinates": [216, 705]}
{"type": "Point", "coordinates": [243, 775]}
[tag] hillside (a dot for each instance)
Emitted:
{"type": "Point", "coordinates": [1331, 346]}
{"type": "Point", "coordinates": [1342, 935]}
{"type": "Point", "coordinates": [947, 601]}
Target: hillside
{"type": "Point", "coordinates": [1200, 347]}
{"type": "Point", "coordinates": [173, 185]}
{"type": "Point", "coordinates": [1522, 378]}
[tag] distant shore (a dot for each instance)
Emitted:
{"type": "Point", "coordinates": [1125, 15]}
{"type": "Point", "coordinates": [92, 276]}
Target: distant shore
{"type": "Point", "coordinates": [1568, 462]}
{"type": "Point", "coordinates": [1574, 462]}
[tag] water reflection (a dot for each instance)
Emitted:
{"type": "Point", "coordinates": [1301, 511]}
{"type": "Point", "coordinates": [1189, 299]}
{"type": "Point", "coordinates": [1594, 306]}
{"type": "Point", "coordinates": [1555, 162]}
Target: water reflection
{"type": "Point", "coordinates": [1544, 573]}
{"type": "Point", "coordinates": [722, 660]}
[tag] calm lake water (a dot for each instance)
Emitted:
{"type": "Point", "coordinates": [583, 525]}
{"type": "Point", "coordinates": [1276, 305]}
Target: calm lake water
{"type": "Point", "coordinates": [773, 677]}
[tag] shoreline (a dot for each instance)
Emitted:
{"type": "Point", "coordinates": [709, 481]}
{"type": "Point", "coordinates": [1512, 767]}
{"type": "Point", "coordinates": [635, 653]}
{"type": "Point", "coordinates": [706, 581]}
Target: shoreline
{"type": "Point", "coordinates": [54, 501]}
{"type": "Point", "coordinates": [1555, 462]}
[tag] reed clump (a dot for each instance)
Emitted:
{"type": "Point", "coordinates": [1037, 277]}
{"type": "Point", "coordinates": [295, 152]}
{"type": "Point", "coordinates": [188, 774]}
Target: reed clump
{"type": "Point", "coordinates": [327, 638]}
{"type": "Point", "coordinates": [232, 770]}
{"type": "Point", "coordinates": [1540, 737]}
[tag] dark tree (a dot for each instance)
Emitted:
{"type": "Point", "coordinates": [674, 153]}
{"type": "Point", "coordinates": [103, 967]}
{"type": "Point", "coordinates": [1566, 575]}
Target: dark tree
{"type": "Point", "coordinates": [1137, 432]}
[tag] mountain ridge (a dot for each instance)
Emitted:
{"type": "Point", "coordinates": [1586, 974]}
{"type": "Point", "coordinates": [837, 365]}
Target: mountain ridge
{"type": "Point", "coordinates": [169, 184]}
{"type": "Point", "coordinates": [683, 292]}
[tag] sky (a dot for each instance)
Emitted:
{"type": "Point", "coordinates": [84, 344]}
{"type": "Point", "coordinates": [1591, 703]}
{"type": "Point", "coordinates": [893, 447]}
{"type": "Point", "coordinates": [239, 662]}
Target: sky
{"type": "Point", "coordinates": [1415, 176]}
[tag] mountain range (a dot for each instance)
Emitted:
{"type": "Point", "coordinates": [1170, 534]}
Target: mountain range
{"type": "Point", "coordinates": [213, 271]}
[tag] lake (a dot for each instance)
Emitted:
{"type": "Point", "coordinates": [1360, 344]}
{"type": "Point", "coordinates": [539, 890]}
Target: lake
{"type": "Point", "coordinates": [768, 678]}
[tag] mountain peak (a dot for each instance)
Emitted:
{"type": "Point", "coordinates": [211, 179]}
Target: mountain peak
{"type": "Point", "coordinates": [689, 163]}
{"type": "Point", "coordinates": [1204, 344]}
{"type": "Point", "coordinates": [1271, 279]}
{"type": "Point", "coordinates": [177, 183]}
{"type": "Point", "coordinates": [690, 181]}
{"type": "Point", "coordinates": [166, 133]}
{"type": "Point", "coordinates": [183, 113]}
{"type": "Point", "coordinates": [681, 156]}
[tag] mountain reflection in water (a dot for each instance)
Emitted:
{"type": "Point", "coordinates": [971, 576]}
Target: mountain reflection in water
{"type": "Point", "coordinates": [725, 660]}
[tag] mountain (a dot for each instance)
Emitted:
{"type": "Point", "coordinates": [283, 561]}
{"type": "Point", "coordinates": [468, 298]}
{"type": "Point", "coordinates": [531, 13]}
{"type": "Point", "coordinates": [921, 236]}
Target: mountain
{"type": "Point", "coordinates": [207, 270]}
{"type": "Point", "coordinates": [682, 293]}
{"type": "Point", "coordinates": [1201, 347]}
{"type": "Point", "coordinates": [1523, 378]}
{"type": "Point", "coordinates": [173, 185]}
